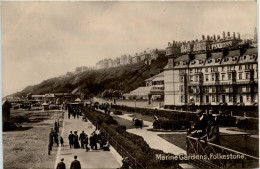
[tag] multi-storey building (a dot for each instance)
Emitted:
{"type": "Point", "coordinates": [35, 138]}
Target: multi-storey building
{"type": "Point", "coordinates": [157, 53]}
{"type": "Point", "coordinates": [217, 78]}
{"type": "Point", "coordinates": [212, 76]}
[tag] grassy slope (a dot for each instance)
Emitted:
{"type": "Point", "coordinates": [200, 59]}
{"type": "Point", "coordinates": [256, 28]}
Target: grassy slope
{"type": "Point", "coordinates": [123, 78]}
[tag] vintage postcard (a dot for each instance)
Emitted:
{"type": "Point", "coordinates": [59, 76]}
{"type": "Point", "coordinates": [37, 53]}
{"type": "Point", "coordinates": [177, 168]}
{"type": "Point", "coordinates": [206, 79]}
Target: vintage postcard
{"type": "Point", "coordinates": [129, 84]}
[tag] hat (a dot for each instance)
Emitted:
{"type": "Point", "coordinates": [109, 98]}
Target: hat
{"type": "Point", "coordinates": [62, 159]}
{"type": "Point", "coordinates": [75, 156]}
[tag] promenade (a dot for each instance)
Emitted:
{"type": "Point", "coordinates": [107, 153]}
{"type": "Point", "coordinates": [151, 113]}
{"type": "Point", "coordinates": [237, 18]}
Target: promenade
{"type": "Point", "coordinates": [90, 159]}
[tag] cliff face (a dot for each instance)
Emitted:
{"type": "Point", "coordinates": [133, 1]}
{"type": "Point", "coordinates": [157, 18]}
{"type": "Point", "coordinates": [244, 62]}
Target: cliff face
{"type": "Point", "coordinates": [93, 82]}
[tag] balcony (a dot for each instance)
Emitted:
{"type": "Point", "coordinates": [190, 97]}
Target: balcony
{"type": "Point", "coordinates": [249, 70]}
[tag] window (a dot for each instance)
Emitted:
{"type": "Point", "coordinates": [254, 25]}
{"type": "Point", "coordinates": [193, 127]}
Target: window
{"type": "Point", "coordinates": [230, 99]}
{"type": "Point", "coordinates": [217, 98]}
{"type": "Point", "coordinates": [213, 98]}
{"type": "Point", "coordinates": [240, 67]}
{"type": "Point", "coordinates": [182, 99]}
{"type": "Point", "coordinates": [206, 69]}
{"type": "Point", "coordinates": [213, 77]}
{"type": "Point", "coordinates": [247, 75]}
{"type": "Point", "coordinates": [223, 76]}
{"type": "Point", "coordinates": [240, 76]}
{"type": "Point", "coordinates": [182, 88]}
{"type": "Point", "coordinates": [181, 79]}
{"type": "Point", "coordinates": [223, 68]}
{"type": "Point", "coordinates": [207, 78]}
{"type": "Point", "coordinates": [191, 78]}
{"type": "Point", "coordinates": [190, 70]}
{"type": "Point", "coordinates": [229, 76]}
{"type": "Point", "coordinates": [197, 99]}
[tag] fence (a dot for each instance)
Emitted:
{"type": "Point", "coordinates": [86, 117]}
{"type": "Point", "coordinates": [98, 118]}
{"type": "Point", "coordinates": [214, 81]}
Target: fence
{"type": "Point", "coordinates": [216, 156]}
{"type": "Point", "coordinates": [123, 152]}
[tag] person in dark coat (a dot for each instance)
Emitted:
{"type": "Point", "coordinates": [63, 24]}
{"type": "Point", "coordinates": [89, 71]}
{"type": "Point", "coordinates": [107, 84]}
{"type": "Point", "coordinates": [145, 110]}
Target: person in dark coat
{"type": "Point", "coordinates": [75, 164]}
{"type": "Point", "coordinates": [95, 140]}
{"type": "Point", "coordinates": [76, 140]}
{"type": "Point", "coordinates": [86, 142]}
{"type": "Point", "coordinates": [56, 138]}
{"type": "Point", "coordinates": [82, 137]}
{"type": "Point", "coordinates": [71, 138]}
{"type": "Point", "coordinates": [91, 139]}
{"type": "Point", "coordinates": [61, 164]}
{"type": "Point", "coordinates": [61, 141]}
{"type": "Point", "coordinates": [200, 126]}
{"type": "Point", "coordinates": [212, 132]}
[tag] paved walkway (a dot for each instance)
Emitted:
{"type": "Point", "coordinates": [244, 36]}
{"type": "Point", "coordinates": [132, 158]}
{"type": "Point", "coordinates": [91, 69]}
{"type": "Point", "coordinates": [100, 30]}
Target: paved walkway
{"type": "Point", "coordinates": [152, 138]}
{"type": "Point", "coordinates": [91, 159]}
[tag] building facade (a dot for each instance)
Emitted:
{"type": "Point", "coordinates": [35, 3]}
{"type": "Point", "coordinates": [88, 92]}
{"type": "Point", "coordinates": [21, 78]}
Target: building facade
{"type": "Point", "coordinates": [226, 77]}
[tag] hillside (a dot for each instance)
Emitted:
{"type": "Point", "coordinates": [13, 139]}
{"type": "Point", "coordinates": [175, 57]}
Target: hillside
{"type": "Point", "coordinates": [93, 82]}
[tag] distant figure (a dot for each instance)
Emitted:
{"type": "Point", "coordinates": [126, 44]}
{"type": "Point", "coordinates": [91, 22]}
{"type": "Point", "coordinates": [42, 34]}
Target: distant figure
{"type": "Point", "coordinates": [212, 132]}
{"type": "Point", "coordinates": [82, 137]}
{"type": "Point", "coordinates": [61, 164]}
{"type": "Point", "coordinates": [71, 137]}
{"type": "Point", "coordinates": [75, 164]}
{"type": "Point", "coordinates": [56, 138]}
{"type": "Point", "coordinates": [61, 141]}
{"type": "Point", "coordinates": [76, 140]}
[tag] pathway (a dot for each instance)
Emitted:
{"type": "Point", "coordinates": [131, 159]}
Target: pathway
{"type": "Point", "coordinates": [152, 138]}
{"type": "Point", "coordinates": [91, 159]}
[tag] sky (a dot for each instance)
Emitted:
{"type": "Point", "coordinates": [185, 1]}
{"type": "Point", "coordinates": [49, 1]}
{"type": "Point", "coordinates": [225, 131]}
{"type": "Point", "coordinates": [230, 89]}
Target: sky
{"type": "Point", "coordinates": [41, 40]}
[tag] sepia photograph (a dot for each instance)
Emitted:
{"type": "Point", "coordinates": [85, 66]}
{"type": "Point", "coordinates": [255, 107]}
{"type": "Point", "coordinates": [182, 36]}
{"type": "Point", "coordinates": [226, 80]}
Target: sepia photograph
{"type": "Point", "coordinates": [129, 84]}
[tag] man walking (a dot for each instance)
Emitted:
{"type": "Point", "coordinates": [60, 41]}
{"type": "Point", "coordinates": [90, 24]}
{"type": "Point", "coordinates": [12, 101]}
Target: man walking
{"type": "Point", "coordinates": [61, 164]}
{"type": "Point", "coordinates": [75, 164]}
{"type": "Point", "coordinates": [82, 137]}
{"type": "Point", "coordinates": [71, 137]}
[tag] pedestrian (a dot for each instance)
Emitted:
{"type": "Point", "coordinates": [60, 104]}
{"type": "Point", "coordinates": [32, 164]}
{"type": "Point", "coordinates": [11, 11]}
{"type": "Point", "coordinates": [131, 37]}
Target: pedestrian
{"type": "Point", "coordinates": [76, 140]}
{"type": "Point", "coordinates": [61, 141]}
{"type": "Point", "coordinates": [82, 137]}
{"type": "Point", "coordinates": [71, 137]}
{"type": "Point", "coordinates": [95, 139]}
{"type": "Point", "coordinates": [86, 143]}
{"type": "Point", "coordinates": [56, 138]}
{"type": "Point", "coordinates": [75, 164]}
{"type": "Point", "coordinates": [61, 164]}
{"type": "Point", "coordinates": [91, 141]}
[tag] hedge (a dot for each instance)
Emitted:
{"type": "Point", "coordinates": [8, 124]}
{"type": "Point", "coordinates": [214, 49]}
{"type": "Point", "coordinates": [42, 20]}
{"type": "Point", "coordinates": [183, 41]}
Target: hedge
{"type": "Point", "coordinates": [172, 115]}
{"type": "Point", "coordinates": [134, 144]}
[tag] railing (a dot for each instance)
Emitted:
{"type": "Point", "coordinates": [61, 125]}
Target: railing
{"type": "Point", "coordinates": [123, 152]}
{"type": "Point", "coordinates": [216, 156]}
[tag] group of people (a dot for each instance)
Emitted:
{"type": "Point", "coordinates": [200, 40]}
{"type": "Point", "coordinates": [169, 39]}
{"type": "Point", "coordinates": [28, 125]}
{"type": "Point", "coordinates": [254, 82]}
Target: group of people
{"type": "Point", "coordinates": [96, 137]}
{"type": "Point", "coordinates": [54, 138]}
{"type": "Point", "coordinates": [74, 111]}
{"type": "Point", "coordinates": [206, 128]}
{"type": "Point", "coordinates": [75, 164]}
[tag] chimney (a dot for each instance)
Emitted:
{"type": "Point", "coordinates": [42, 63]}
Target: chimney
{"type": "Point", "coordinates": [203, 37]}
{"type": "Point", "coordinates": [169, 43]}
{"type": "Point", "coordinates": [207, 37]}
{"type": "Point", "coordinates": [214, 37]}
{"type": "Point", "coordinates": [228, 33]}
{"type": "Point", "coordinates": [196, 40]}
{"type": "Point", "coordinates": [234, 35]}
{"type": "Point", "coordinates": [144, 51]}
{"type": "Point", "coordinates": [224, 35]}
{"type": "Point", "coordinates": [238, 35]}
{"type": "Point", "coordinates": [218, 36]}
